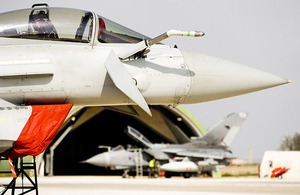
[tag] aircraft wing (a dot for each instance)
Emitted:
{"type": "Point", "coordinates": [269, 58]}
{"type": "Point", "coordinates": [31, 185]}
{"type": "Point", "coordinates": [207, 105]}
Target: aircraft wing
{"type": "Point", "coordinates": [197, 154]}
{"type": "Point", "coordinates": [201, 154]}
{"type": "Point", "coordinates": [173, 150]}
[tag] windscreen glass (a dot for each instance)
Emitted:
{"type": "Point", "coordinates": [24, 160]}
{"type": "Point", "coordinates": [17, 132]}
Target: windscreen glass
{"type": "Point", "coordinates": [111, 32]}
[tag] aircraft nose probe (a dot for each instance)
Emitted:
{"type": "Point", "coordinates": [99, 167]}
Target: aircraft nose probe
{"type": "Point", "coordinates": [129, 51]}
{"type": "Point", "coordinates": [175, 33]}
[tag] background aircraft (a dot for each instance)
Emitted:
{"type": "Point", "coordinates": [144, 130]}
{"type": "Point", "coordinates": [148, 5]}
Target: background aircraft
{"type": "Point", "coordinates": [201, 154]}
{"type": "Point", "coordinates": [118, 158]}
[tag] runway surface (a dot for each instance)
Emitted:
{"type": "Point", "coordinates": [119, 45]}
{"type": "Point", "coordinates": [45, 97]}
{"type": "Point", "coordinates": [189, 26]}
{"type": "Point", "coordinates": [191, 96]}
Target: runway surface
{"type": "Point", "coordinates": [116, 185]}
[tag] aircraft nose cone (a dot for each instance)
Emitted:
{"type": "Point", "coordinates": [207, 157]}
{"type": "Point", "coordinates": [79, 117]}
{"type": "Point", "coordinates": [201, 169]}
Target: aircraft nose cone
{"type": "Point", "coordinates": [213, 78]}
{"type": "Point", "coordinates": [101, 160]}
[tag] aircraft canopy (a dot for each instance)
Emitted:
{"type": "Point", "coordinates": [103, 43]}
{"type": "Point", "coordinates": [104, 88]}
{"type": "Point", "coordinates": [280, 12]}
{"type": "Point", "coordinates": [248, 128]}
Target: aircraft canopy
{"type": "Point", "coordinates": [61, 24]}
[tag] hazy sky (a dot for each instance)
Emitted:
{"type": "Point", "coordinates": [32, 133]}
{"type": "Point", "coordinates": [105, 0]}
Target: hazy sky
{"type": "Point", "coordinates": [263, 34]}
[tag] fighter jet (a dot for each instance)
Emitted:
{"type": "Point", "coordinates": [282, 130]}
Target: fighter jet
{"type": "Point", "coordinates": [120, 159]}
{"type": "Point", "coordinates": [201, 154]}
{"type": "Point", "coordinates": [54, 58]}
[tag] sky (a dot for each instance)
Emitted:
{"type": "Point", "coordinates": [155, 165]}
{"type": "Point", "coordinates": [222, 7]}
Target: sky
{"type": "Point", "coordinates": [260, 34]}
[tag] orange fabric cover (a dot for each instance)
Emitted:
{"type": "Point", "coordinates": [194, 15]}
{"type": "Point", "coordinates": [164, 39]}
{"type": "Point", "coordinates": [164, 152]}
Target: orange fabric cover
{"type": "Point", "coordinates": [40, 130]}
{"type": "Point", "coordinates": [278, 171]}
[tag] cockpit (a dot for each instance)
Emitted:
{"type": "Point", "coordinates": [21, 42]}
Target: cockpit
{"type": "Point", "coordinates": [60, 24]}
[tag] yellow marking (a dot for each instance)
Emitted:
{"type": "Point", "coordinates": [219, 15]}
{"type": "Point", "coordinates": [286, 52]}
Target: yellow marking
{"type": "Point", "coordinates": [5, 119]}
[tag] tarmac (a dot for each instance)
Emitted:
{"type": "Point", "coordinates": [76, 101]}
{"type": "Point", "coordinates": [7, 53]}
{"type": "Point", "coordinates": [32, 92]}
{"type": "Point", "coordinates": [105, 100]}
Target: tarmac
{"type": "Point", "coordinates": [143, 185]}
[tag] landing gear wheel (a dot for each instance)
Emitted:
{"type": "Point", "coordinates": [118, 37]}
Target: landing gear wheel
{"type": "Point", "coordinates": [168, 175]}
{"type": "Point", "coordinates": [187, 175]}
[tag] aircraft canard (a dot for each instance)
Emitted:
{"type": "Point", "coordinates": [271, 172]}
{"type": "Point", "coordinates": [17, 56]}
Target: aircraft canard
{"type": "Point", "coordinates": [60, 56]}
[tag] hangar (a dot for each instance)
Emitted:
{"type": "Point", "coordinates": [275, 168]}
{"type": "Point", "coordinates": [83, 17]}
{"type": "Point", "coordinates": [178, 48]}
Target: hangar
{"type": "Point", "coordinates": [88, 127]}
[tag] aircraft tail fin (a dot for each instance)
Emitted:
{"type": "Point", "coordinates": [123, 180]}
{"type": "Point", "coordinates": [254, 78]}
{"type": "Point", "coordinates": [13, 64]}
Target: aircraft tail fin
{"type": "Point", "coordinates": [224, 132]}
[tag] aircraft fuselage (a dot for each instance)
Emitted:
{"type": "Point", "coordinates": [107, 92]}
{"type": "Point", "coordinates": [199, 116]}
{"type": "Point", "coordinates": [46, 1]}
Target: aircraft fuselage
{"type": "Point", "coordinates": [37, 72]}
